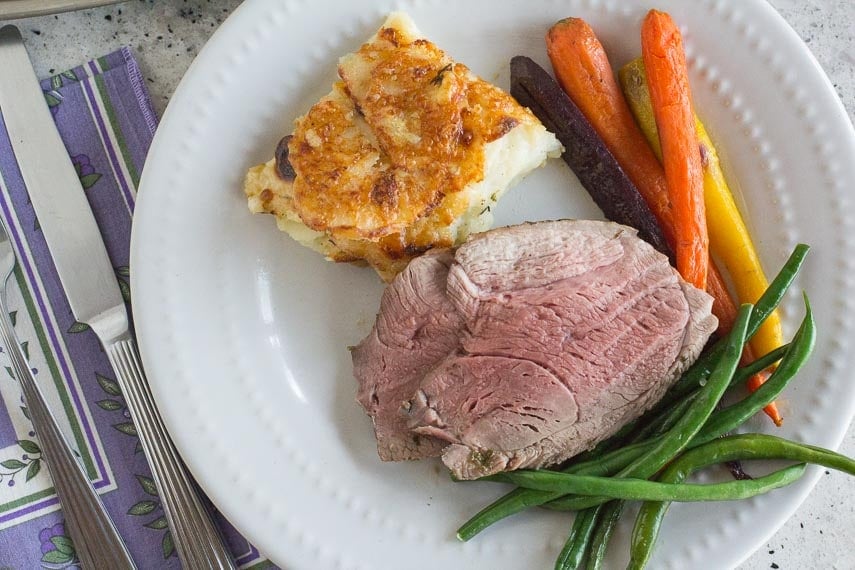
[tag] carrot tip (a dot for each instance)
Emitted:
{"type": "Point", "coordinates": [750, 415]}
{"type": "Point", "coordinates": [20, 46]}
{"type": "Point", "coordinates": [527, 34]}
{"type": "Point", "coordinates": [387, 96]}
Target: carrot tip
{"type": "Point", "coordinates": [774, 414]}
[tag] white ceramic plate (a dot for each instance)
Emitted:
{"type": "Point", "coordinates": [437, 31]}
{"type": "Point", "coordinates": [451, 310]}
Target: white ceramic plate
{"type": "Point", "coordinates": [245, 334]}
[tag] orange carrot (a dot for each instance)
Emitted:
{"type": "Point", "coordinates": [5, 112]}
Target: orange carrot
{"type": "Point", "coordinates": [668, 83]}
{"type": "Point", "coordinates": [724, 307]}
{"type": "Point", "coordinates": [582, 68]}
{"type": "Point", "coordinates": [584, 72]}
{"type": "Point", "coordinates": [772, 408]}
{"type": "Point", "coordinates": [670, 94]}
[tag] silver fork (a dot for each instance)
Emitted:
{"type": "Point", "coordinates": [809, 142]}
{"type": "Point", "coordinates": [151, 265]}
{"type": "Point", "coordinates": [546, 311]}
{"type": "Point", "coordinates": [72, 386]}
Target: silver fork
{"type": "Point", "coordinates": [96, 540]}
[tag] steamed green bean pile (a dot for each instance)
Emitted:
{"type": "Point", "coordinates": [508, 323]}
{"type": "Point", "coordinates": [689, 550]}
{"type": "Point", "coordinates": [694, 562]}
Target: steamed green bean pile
{"type": "Point", "coordinates": [649, 459]}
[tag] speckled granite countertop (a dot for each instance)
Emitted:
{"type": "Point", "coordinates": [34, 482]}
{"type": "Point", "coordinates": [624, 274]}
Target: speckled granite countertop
{"type": "Point", "coordinates": [166, 35]}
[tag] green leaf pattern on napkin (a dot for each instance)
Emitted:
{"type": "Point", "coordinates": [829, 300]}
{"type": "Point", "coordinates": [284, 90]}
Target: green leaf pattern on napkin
{"type": "Point", "coordinates": [85, 171]}
{"type": "Point", "coordinates": [58, 550]}
{"type": "Point", "coordinates": [149, 506]}
{"type": "Point", "coordinates": [29, 463]}
{"type": "Point", "coordinates": [152, 506]}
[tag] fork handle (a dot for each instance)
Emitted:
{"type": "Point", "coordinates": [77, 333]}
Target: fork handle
{"type": "Point", "coordinates": [97, 542]}
{"type": "Point", "coordinates": [195, 535]}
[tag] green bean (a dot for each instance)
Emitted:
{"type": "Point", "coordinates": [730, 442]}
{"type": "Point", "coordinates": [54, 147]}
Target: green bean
{"type": "Point", "coordinates": [611, 443]}
{"type": "Point", "coordinates": [742, 447]}
{"type": "Point", "coordinates": [627, 434]}
{"type": "Point", "coordinates": [606, 523]}
{"type": "Point", "coordinates": [519, 500]}
{"type": "Point", "coordinates": [679, 436]}
{"type": "Point", "coordinates": [665, 421]}
{"type": "Point", "coordinates": [763, 308]}
{"type": "Point", "coordinates": [697, 374]}
{"type": "Point", "coordinates": [573, 502]}
{"type": "Point", "coordinates": [574, 550]}
{"type": "Point", "coordinates": [638, 430]}
{"type": "Point", "coordinates": [796, 356]}
{"type": "Point", "coordinates": [632, 489]}
{"type": "Point", "coordinates": [608, 520]}
{"type": "Point", "coordinates": [744, 373]}
{"type": "Point", "coordinates": [605, 446]}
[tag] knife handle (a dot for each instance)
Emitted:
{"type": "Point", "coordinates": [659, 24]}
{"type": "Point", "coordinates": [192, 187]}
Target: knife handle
{"type": "Point", "coordinates": [197, 540]}
{"type": "Point", "coordinates": [97, 542]}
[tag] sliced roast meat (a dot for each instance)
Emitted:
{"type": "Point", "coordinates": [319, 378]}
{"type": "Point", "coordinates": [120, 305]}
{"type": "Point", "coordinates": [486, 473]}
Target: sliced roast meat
{"type": "Point", "coordinates": [587, 301]}
{"type": "Point", "coordinates": [487, 403]}
{"type": "Point", "coordinates": [564, 332]}
{"type": "Point", "coordinates": [417, 327]}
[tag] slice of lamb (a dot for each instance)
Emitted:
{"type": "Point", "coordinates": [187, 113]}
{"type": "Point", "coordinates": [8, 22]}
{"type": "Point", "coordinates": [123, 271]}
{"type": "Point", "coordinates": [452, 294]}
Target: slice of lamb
{"type": "Point", "coordinates": [589, 303]}
{"type": "Point", "coordinates": [417, 327]}
{"type": "Point", "coordinates": [486, 404]}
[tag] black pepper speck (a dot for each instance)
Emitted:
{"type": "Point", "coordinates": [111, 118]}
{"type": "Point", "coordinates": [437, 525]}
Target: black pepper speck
{"type": "Point", "coordinates": [773, 565]}
{"type": "Point", "coordinates": [108, 17]}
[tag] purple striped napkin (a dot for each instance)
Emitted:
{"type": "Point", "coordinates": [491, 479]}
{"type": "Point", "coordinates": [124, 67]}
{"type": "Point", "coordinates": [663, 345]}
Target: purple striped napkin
{"type": "Point", "coordinates": [106, 121]}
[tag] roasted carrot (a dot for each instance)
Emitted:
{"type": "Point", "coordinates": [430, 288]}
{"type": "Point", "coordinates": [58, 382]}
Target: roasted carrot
{"type": "Point", "coordinates": [584, 151]}
{"type": "Point", "coordinates": [730, 240]}
{"type": "Point", "coordinates": [583, 70]}
{"type": "Point", "coordinates": [725, 310]}
{"type": "Point", "coordinates": [724, 307]}
{"type": "Point", "coordinates": [771, 409]}
{"type": "Point", "coordinates": [668, 82]}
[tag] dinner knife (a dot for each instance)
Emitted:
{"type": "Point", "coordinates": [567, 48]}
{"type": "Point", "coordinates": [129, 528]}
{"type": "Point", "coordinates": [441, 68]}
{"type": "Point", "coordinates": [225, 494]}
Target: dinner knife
{"type": "Point", "coordinates": [87, 276]}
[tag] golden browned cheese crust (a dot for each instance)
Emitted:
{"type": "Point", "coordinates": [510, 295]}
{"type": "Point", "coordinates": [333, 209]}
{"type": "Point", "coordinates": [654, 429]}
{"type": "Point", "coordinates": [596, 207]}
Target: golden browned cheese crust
{"type": "Point", "coordinates": [385, 164]}
{"type": "Point", "coordinates": [411, 132]}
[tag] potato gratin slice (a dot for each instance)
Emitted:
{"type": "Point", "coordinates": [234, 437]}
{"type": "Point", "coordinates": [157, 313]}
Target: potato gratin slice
{"type": "Point", "coordinates": [409, 151]}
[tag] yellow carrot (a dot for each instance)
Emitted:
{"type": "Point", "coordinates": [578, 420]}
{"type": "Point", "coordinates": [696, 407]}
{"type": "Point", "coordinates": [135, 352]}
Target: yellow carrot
{"type": "Point", "coordinates": [729, 237]}
{"type": "Point", "coordinates": [730, 241]}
